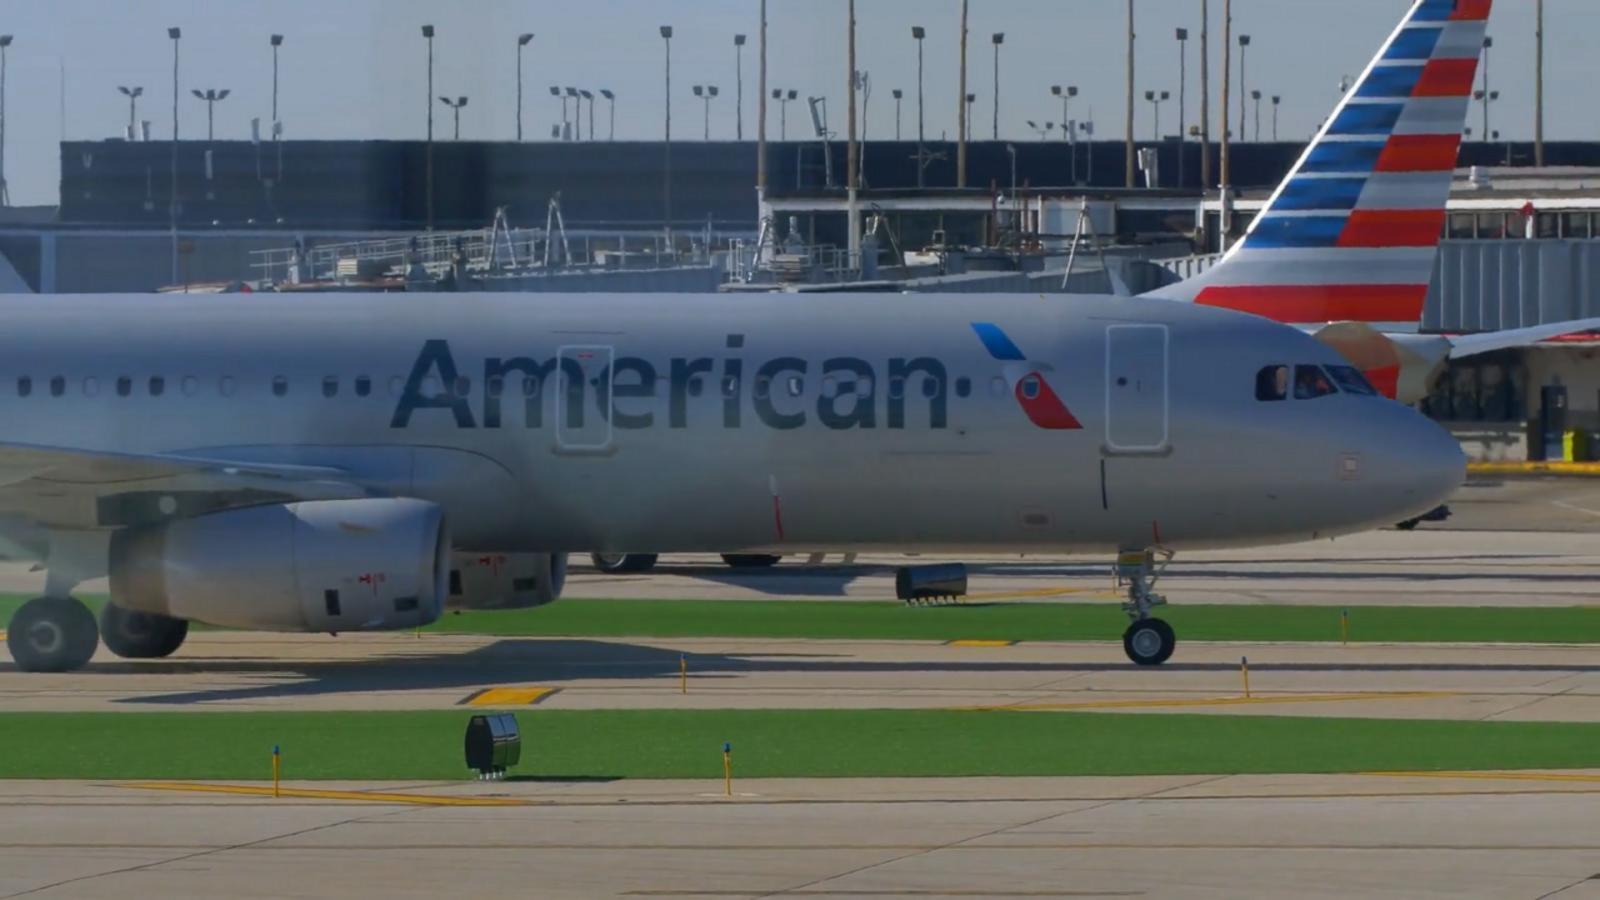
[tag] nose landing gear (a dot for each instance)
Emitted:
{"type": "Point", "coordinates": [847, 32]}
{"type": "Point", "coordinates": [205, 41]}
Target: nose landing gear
{"type": "Point", "coordinates": [1148, 641]}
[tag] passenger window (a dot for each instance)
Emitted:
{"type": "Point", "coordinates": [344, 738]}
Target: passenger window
{"type": "Point", "coordinates": [124, 386]}
{"type": "Point", "coordinates": [963, 387]}
{"type": "Point", "coordinates": [494, 386]}
{"type": "Point", "coordinates": [397, 386]}
{"type": "Point", "coordinates": [864, 388]}
{"type": "Point", "coordinates": [191, 385]}
{"type": "Point", "coordinates": [280, 386]}
{"type": "Point", "coordinates": [58, 386]}
{"type": "Point", "coordinates": [897, 388]}
{"type": "Point", "coordinates": [730, 386]}
{"type": "Point", "coordinates": [1272, 383]}
{"type": "Point", "coordinates": [158, 385]}
{"type": "Point", "coordinates": [463, 386]}
{"type": "Point", "coordinates": [1311, 382]}
{"type": "Point", "coordinates": [1030, 387]}
{"type": "Point", "coordinates": [830, 387]}
{"type": "Point", "coordinates": [363, 386]}
{"type": "Point", "coordinates": [530, 386]}
{"type": "Point", "coordinates": [226, 385]}
{"type": "Point", "coordinates": [997, 386]}
{"type": "Point", "coordinates": [24, 386]}
{"type": "Point", "coordinates": [931, 387]}
{"type": "Point", "coordinates": [91, 386]}
{"type": "Point", "coordinates": [797, 386]}
{"type": "Point", "coordinates": [430, 387]}
{"type": "Point", "coordinates": [697, 386]}
{"type": "Point", "coordinates": [1351, 381]}
{"type": "Point", "coordinates": [763, 387]}
{"type": "Point", "coordinates": [330, 386]}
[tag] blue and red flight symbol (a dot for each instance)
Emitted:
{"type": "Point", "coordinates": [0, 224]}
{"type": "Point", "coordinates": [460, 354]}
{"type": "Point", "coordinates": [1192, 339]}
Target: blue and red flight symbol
{"type": "Point", "coordinates": [1027, 381]}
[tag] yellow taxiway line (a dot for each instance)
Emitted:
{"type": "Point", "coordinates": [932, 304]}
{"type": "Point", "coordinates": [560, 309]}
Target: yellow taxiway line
{"type": "Point", "coordinates": [311, 794]}
{"type": "Point", "coordinates": [1533, 468]}
{"type": "Point", "coordinates": [508, 696]}
{"type": "Point", "coordinates": [1495, 776]}
{"type": "Point", "coordinates": [1173, 702]}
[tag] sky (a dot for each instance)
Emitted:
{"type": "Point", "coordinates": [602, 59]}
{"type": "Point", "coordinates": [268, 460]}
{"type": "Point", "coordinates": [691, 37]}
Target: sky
{"type": "Point", "coordinates": [357, 68]}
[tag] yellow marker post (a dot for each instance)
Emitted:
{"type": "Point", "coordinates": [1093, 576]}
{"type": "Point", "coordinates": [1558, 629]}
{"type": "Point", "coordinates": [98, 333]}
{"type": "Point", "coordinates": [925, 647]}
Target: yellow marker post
{"type": "Point", "coordinates": [727, 769]}
{"type": "Point", "coordinates": [1244, 669]}
{"type": "Point", "coordinates": [683, 674]}
{"type": "Point", "coordinates": [1344, 627]}
{"type": "Point", "coordinates": [276, 769]}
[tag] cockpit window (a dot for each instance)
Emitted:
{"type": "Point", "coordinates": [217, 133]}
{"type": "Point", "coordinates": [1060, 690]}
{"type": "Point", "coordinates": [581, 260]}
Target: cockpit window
{"type": "Point", "coordinates": [1311, 382]}
{"type": "Point", "coordinates": [1351, 381]}
{"type": "Point", "coordinates": [1272, 383]}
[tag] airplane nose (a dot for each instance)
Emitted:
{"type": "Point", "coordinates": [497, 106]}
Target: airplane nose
{"type": "Point", "coordinates": [1426, 464]}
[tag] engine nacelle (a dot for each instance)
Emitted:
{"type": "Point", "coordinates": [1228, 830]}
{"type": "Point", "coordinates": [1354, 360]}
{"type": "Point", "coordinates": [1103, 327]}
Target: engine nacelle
{"type": "Point", "coordinates": [506, 580]}
{"type": "Point", "coordinates": [332, 565]}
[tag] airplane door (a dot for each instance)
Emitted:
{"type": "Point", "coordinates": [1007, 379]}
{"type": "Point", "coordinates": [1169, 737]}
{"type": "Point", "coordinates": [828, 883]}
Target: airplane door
{"type": "Point", "coordinates": [1136, 389]}
{"type": "Point", "coordinates": [583, 399]}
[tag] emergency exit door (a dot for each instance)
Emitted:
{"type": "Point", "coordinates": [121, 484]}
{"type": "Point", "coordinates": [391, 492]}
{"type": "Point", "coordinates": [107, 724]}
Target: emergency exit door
{"type": "Point", "coordinates": [1137, 389]}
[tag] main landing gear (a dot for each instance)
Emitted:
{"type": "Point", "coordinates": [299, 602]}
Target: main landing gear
{"type": "Point", "coordinates": [52, 634]}
{"type": "Point", "coordinates": [137, 635]}
{"type": "Point", "coordinates": [1148, 640]}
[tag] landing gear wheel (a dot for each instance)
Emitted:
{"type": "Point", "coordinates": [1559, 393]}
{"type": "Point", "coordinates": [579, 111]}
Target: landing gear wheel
{"type": "Point", "coordinates": [750, 560]}
{"type": "Point", "coordinates": [1149, 642]}
{"type": "Point", "coordinates": [52, 634]}
{"type": "Point", "coordinates": [619, 563]}
{"type": "Point", "coordinates": [137, 635]}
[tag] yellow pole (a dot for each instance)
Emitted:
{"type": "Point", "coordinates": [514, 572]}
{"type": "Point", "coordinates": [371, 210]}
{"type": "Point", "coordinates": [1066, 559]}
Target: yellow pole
{"type": "Point", "coordinates": [727, 769]}
{"type": "Point", "coordinates": [1244, 668]}
{"type": "Point", "coordinates": [1344, 627]}
{"type": "Point", "coordinates": [276, 766]}
{"type": "Point", "coordinates": [683, 674]}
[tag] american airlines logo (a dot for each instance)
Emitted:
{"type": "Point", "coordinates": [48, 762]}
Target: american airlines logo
{"type": "Point", "coordinates": [628, 391]}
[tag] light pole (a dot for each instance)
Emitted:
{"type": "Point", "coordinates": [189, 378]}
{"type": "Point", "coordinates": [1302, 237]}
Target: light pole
{"type": "Point", "coordinates": [133, 94]}
{"type": "Point", "coordinates": [998, 38]}
{"type": "Point", "coordinates": [611, 104]}
{"type": "Point", "coordinates": [522, 42]}
{"type": "Point", "coordinates": [456, 106]}
{"type": "Point", "coordinates": [1276, 99]}
{"type": "Point", "coordinates": [972, 100]}
{"type": "Point", "coordinates": [1486, 95]}
{"type": "Point", "coordinates": [5, 189]}
{"type": "Point", "coordinates": [276, 41]}
{"type": "Point", "coordinates": [589, 96]}
{"type": "Point", "coordinates": [1538, 84]}
{"type": "Point", "coordinates": [1256, 96]}
{"type": "Point", "coordinates": [172, 206]}
{"type": "Point", "coordinates": [1068, 131]}
{"type": "Point", "coordinates": [1155, 102]}
{"type": "Point", "coordinates": [898, 96]}
{"type": "Point", "coordinates": [1244, 45]}
{"type": "Point", "coordinates": [1183, 75]}
{"type": "Point", "coordinates": [918, 34]}
{"type": "Point", "coordinates": [784, 98]}
{"type": "Point", "coordinates": [1043, 131]}
{"type": "Point", "coordinates": [1087, 128]}
{"type": "Point", "coordinates": [706, 93]}
{"type": "Point", "coordinates": [211, 96]}
{"type": "Point", "coordinates": [427, 35]}
{"type": "Point", "coordinates": [666, 180]}
{"type": "Point", "coordinates": [565, 133]}
{"type": "Point", "coordinates": [577, 113]}
{"type": "Point", "coordinates": [1129, 165]}
{"type": "Point", "coordinates": [738, 53]}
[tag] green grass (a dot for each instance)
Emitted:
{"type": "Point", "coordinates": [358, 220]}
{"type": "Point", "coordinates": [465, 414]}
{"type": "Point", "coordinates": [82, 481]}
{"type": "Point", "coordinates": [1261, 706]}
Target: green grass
{"type": "Point", "coordinates": [1024, 621]}
{"type": "Point", "coordinates": [770, 743]}
{"type": "Point", "coordinates": [1104, 621]}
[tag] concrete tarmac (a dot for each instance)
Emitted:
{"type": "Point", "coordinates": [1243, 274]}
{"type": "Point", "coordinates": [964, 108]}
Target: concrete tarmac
{"type": "Point", "coordinates": [1509, 835]}
{"type": "Point", "coordinates": [237, 671]}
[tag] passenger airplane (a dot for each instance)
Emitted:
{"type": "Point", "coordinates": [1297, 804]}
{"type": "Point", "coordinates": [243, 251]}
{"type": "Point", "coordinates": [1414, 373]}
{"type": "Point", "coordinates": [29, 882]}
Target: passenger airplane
{"type": "Point", "coordinates": [330, 463]}
{"type": "Point", "coordinates": [1347, 244]}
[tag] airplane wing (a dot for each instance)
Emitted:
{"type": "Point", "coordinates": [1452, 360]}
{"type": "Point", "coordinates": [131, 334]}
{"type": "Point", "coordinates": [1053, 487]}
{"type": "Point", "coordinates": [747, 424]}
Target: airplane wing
{"type": "Point", "coordinates": [66, 487]}
{"type": "Point", "coordinates": [1488, 342]}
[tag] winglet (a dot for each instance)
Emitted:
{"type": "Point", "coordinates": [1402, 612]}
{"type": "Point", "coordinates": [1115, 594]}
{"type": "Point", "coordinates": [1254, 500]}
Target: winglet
{"type": "Point", "coordinates": [1352, 233]}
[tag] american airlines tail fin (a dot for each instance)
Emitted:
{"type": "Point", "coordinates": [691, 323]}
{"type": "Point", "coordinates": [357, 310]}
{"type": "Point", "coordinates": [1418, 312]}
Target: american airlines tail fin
{"type": "Point", "coordinates": [1352, 233]}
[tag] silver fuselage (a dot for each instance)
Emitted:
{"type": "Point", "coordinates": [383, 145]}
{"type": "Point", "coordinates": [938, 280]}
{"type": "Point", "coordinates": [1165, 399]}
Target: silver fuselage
{"type": "Point", "coordinates": [721, 423]}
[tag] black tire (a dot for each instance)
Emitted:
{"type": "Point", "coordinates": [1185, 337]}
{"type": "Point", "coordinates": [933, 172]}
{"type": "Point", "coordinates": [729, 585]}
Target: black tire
{"type": "Point", "coordinates": [138, 635]}
{"type": "Point", "coordinates": [1149, 642]}
{"type": "Point", "coordinates": [623, 563]}
{"type": "Point", "coordinates": [750, 560]}
{"type": "Point", "coordinates": [52, 634]}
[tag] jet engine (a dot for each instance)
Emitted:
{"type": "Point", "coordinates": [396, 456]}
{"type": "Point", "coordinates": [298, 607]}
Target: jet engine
{"type": "Point", "coordinates": [332, 565]}
{"type": "Point", "coordinates": [506, 580]}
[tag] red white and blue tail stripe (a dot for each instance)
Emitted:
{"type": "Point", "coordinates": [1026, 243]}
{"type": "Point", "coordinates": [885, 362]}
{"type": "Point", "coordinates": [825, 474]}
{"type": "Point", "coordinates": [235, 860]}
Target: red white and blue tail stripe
{"type": "Point", "coordinates": [1352, 233]}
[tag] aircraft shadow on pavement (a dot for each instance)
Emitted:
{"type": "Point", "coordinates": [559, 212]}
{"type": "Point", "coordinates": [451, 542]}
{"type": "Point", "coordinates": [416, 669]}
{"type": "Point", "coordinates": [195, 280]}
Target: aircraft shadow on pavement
{"type": "Point", "coordinates": [553, 661]}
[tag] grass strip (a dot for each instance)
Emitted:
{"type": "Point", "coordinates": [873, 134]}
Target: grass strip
{"type": "Point", "coordinates": [770, 743]}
